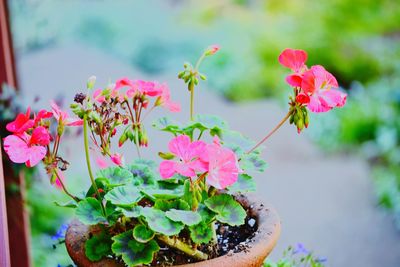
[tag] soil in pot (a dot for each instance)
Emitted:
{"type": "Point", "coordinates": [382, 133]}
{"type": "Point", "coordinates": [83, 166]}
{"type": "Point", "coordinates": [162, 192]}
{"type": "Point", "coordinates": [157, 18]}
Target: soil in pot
{"type": "Point", "coordinates": [231, 239]}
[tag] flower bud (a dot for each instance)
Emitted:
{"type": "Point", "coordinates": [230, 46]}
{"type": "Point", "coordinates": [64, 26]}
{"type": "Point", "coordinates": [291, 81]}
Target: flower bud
{"type": "Point", "coordinates": [123, 138]}
{"type": "Point", "coordinates": [90, 83]}
{"type": "Point", "coordinates": [203, 77]}
{"type": "Point", "coordinates": [211, 50]}
{"type": "Point", "coordinates": [166, 156]}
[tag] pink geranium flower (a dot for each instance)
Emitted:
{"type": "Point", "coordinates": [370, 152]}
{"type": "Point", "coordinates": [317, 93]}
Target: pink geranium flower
{"type": "Point", "coordinates": [148, 88]}
{"type": "Point", "coordinates": [42, 114]}
{"type": "Point", "coordinates": [21, 123]}
{"type": "Point", "coordinates": [63, 118]}
{"type": "Point", "coordinates": [295, 60]}
{"type": "Point", "coordinates": [320, 85]}
{"type": "Point", "coordinates": [165, 100]}
{"type": "Point", "coordinates": [189, 158]}
{"type": "Point", "coordinates": [62, 177]}
{"type": "Point", "coordinates": [27, 149]}
{"type": "Point", "coordinates": [223, 167]}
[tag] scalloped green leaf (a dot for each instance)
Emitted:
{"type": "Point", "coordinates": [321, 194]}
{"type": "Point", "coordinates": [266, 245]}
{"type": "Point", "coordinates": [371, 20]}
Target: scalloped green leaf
{"type": "Point", "coordinates": [89, 211]}
{"type": "Point", "coordinates": [159, 222]}
{"type": "Point", "coordinates": [228, 210]}
{"type": "Point", "coordinates": [165, 205]}
{"type": "Point", "coordinates": [186, 217]}
{"type": "Point", "coordinates": [133, 253]}
{"type": "Point", "coordinates": [237, 142]}
{"type": "Point", "coordinates": [142, 233]}
{"type": "Point", "coordinates": [131, 212]}
{"type": "Point", "coordinates": [127, 195]}
{"type": "Point", "coordinates": [163, 193]}
{"type": "Point", "coordinates": [116, 175]}
{"type": "Point", "coordinates": [244, 184]}
{"type": "Point", "coordinates": [101, 183]}
{"type": "Point", "coordinates": [142, 174]}
{"type": "Point", "coordinates": [201, 233]}
{"type": "Point", "coordinates": [252, 162]}
{"type": "Point", "coordinates": [98, 246]}
{"type": "Point", "coordinates": [167, 125]}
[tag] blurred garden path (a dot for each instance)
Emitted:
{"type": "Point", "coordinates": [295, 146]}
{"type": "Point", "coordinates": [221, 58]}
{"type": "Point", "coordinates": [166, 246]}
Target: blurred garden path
{"type": "Point", "coordinates": [325, 201]}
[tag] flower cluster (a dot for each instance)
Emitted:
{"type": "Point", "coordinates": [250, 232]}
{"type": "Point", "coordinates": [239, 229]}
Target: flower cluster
{"type": "Point", "coordinates": [218, 165]}
{"type": "Point", "coordinates": [314, 87]}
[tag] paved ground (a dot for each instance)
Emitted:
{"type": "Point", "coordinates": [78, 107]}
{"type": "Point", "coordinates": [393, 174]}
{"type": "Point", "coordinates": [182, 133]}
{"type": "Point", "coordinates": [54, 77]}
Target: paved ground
{"type": "Point", "coordinates": [325, 201]}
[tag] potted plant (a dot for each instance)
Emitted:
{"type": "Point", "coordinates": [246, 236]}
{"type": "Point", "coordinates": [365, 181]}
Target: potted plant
{"type": "Point", "coordinates": [188, 209]}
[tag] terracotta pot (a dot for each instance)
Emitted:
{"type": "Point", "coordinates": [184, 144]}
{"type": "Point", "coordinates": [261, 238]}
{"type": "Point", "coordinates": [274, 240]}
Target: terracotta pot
{"type": "Point", "coordinates": [262, 244]}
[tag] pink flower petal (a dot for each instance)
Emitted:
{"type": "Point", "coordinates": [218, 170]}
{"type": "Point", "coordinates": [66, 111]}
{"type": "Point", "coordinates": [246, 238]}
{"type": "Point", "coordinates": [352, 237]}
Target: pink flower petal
{"type": "Point", "coordinates": [35, 155]}
{"type": "Point", "coordinates": [40, 136]}
{"type": "Point", "coordinates": [16, 149]}
{"type": "Point", "coordinates": [167, 169]}
{"type": "Point", "coordinates": [293, 59]}
{"type": "Point", "coordinates": [179, 145]}
{"type": "Point", "coordinates": [294, 80]}
{"type": "Point", "coordinates": [117, 159]}
{"type": "Point", "coordinates": [21, 123]}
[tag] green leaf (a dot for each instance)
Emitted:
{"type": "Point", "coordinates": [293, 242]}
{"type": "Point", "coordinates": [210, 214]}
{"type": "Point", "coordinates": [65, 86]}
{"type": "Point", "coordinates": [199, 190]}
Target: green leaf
{"type": "Point", "coordinates": [163, 193]}
{"type": "Point", "coordinates": [142, 174]}
{"type": "Point", "coordinates": [214, 123]}
{"type": "Point", "coordinates": [101, 183]}
{"type": "Point", "coordinates": [98, 246]}
{"type": "Point", "coordinates": [112, 212]}
{"type": "Point", "coordinates": [165, 205]}
{"type": "Point", "coordinates": [158, 222]}
{"type": "Point", "coordinates": [167, 125]}
{"type": "Point", "coordinates": [69, 204]}
{"type": "Point", "coordinates": [228, 210]}
{"type": "Point", "coordinates": [201, 233]}
{"type": "Point", "coordinates": [116, 175]}
{"type": "Point", "coordinates": [252, 161]}
{"type": "Point", "coordinates": [187, 193]}
{"type": "Point", "coordinates": [237, 142]}
{"type": "Point", "coordinates": [142, 233]}
{"type": "Point", "coordinates": [244, 184]}
{"type": "Point", "coordinates": [187, 217]}
{"type": "Point", "coordinates": [131, 212]}
{"type": "Point", "coordinates": [89, 211]}
{"type": "Point", "coordinates": [127, 195]}
{"type": "Point", "coordinates": [133, 253]}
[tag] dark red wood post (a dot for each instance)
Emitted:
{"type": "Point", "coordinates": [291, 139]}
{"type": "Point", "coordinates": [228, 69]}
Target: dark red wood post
{"type": "Point", "coordinates": [17, 217]}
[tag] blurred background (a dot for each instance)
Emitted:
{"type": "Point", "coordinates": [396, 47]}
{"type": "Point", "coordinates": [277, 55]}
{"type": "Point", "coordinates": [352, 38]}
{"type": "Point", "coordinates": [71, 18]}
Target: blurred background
{"type": "Point", "coordinates": [336, 186]}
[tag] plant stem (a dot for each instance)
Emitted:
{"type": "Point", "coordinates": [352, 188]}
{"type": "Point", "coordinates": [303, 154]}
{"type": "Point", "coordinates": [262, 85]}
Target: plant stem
{"type": "Point", "coordinates": [137, 140]}
{"type": "Point", "coordinates": [191, 89]}
{"type": "Point", "coordinates": [271, 132]}
{"type": "Point", "coordinates": [86, 144]}
{"type": "Point", "coordinates": [185, 248]}
{"type": "Point", "coordinates": [64, 188]}
{"type": "Point", "coordinates": [214, 234]}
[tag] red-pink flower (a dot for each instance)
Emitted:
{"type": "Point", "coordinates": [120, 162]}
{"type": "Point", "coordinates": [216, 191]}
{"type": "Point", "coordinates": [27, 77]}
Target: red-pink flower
{"type": "Point", "coordinates": [27, 149]}
{"type": "Point", "coordinates": [295, 60]}
{"type": "Point", "coordinates": [223, 167]}
{"type": "Point", "coordinates": [21, 123]}
{"type": "Point", "coordinates": [60, 176]}
{"type": "Point", "coordinates": [188, 154]}
{"type": "Point", "coordinates": [148, 88]}
{"type": "Point", "coordinates": [117, 159]}
{"type": "Point", "coordinates": [165, 100]}
{"type": "Point", "coordinates": [42, 114]}
{"type": "Point", "coordinates": [63, 118]}
{"type": "Point", "coordinates": [319, 84]}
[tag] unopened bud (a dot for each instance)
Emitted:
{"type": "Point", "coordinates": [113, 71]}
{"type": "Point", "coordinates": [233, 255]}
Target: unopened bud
{"type": "Point", "coordinates": [203, 77]}
{"type": "Point", "coordinates": [91, 81]}
{"type": "Point", "coordinates": [166, 156]}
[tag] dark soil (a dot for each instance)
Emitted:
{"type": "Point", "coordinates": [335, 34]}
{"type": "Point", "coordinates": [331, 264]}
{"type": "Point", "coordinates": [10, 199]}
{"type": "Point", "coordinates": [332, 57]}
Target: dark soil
{"type": "Point", "coordinates": [231, 239]}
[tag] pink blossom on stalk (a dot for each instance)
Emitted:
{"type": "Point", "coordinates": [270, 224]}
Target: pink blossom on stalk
{"type": "Point", "coordinates": [21, 123]}
{"type": "Point", "coordinates": [27, 149]}
{"type": "Point", "coordinates": [295, 60]}
{"type": "Point", "coordinates": [165, 100]}
{"type": "Point", "coordinates": [189, 158]}
{"type": "Point", "coordinates": [319, 84]}
{"type": "Point", "coordinates": [98, 96]}
{"type": "Point", "coordinates": [63, 117]}
{"type": "Point", "coordinates": [117, 159]}
{"type": "Point", "coordinates": [42, 114]}
{"type": "Point", "coordinates": [223, 167]}
{"type": "Point", "coordinates": [212, 49]}
{"type": "Point", "coordinates": [148, 88]}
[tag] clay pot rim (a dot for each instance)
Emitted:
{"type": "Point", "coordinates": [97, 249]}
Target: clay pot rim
{"type": "Point", "coordinates": [261, 244]}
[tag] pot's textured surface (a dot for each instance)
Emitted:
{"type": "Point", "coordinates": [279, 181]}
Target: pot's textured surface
{"type": "Point", "coordinates": [260, 247]}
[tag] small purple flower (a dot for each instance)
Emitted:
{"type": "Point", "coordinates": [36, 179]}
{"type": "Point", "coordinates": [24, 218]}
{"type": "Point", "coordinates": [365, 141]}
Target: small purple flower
{"type": "Point", "coordinates": [300, 249]}
{"type": "Point", "coordinates": [60, 234]}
